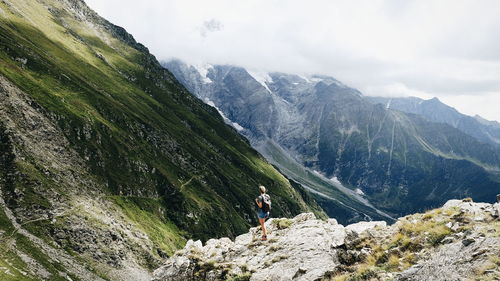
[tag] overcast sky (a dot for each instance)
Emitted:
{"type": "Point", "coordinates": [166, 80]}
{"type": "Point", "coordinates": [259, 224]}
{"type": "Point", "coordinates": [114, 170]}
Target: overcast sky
{"type": "Point", "coordinates": [448, 49]}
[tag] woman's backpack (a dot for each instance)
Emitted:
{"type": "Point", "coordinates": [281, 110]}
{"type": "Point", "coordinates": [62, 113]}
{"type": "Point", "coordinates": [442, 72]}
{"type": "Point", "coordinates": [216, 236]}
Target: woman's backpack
{"type": "Point", "coordinates": [266, 202]}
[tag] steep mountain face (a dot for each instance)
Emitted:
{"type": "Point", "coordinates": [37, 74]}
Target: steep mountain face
{"type": "Point", "coordinates": [459, 241]}
{"type": "Point", "coordinates": [107, 163]}
{"type": "Point", "coordinates": [401, 162]}
{"type": "Point", "coordinates": [275, 127]}
{"type": "Point", "coordinates": [436, 111]}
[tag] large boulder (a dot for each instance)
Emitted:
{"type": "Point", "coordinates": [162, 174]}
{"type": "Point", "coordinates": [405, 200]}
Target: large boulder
{"type": "Point", "coordinates": [456, 261]}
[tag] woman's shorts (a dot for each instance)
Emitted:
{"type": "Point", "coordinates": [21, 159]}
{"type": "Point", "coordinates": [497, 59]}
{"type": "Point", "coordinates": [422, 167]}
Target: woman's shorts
{"type": "Point", "coordinates": [262, 215]}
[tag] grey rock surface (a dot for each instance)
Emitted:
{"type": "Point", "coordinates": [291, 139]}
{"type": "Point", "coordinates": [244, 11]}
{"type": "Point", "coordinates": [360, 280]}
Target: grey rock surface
{"type": "Point", "coordinates": [362, 226]}
{"type": "Point", "coordinates": [302, 248]}
{"type": "Point", "coordinates": [305, 248]}
{"type": "Point", "coordinates": [456, 261]}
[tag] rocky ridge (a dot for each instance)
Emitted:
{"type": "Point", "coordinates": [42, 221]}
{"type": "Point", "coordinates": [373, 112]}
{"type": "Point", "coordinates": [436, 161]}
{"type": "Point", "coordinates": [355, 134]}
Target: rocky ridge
{"type": "Point", "coordinates": [460, 241]}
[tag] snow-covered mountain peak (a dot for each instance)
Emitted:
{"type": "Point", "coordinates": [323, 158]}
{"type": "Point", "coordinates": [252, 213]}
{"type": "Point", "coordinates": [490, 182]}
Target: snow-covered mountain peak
{"type": "Point", "coordinates": [326, 79]}
{"type": "Point", "coordinates": [203, 69]}
{"type": "Point", "coordinates": [262, 77]}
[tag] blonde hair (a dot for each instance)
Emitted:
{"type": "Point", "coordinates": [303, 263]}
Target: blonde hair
{"type": "Point", "coordinates": [262, 189]}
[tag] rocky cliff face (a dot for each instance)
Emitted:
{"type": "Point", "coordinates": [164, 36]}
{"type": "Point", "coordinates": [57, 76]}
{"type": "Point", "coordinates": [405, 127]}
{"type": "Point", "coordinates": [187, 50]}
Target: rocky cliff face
{"type": "Point", "coordinates": [323, 133]}
{"type": "Point", "coordinates": [460, 241]}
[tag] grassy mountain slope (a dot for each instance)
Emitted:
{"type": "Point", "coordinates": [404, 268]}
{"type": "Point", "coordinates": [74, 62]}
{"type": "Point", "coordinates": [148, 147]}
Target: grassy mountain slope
{"type": "Point", "coordinates": [100, 143]}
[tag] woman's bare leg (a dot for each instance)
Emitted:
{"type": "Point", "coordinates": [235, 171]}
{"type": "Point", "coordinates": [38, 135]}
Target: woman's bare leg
{"type": "Point", "coordinates": [263, 226]}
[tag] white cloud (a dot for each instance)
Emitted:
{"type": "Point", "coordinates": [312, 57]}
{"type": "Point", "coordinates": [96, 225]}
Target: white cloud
{"type": "Point", "coordinates": [469, 104]}
{"type": "Point", "coordinates": [447, 48]}
{"type": "Point", "coordinates": [212, 25]}
{"type": "Point", "coordinates": [395, 90]}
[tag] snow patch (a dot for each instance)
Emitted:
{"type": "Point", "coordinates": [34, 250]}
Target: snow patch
{"type": "Point", "coordinates": [388, 104]}
{"type": "Point", "coordinates": [262, 77]}
{"type": "Point", "coordinates": [359, 191]}
{"type": "Point", "coordinates": [211, 103]}
{"type": "Point", "coordinates": [203, 70]}
{"type": "Point", "coordinates": [235, 125]}
{"type": "Point", "coordinates": [305, 78]}
{"type": "Point", "coordinates": [335, 180]}
{"type": "Point", "coordinates": [316, 79]}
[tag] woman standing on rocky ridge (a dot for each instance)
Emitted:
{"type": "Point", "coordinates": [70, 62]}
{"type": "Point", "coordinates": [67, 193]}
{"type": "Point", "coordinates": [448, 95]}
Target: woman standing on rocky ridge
{"type": "Point", "coordinates": [264, 206]}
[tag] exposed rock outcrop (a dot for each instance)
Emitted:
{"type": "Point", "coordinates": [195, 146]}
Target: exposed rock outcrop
{"type": "Point", "coordinates": [302, 248]}
{"type": "Point", "coordinates": [460, 241]}
{"type": "Point", "coordinates": [75, 217]}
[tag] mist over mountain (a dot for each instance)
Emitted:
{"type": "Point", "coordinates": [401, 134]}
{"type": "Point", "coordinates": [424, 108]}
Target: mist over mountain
{"type": "Point", "coordinates": [436, 111]}
{"type": "Point", "coordinates": [400, 162]}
